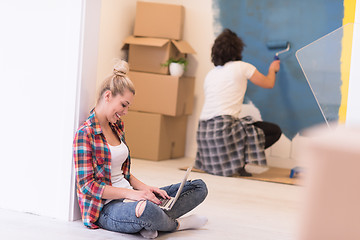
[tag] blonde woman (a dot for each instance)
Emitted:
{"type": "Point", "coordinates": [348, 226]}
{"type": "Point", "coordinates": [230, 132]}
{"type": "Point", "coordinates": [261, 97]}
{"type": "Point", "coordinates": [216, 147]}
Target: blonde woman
{"type": "Point", "coordinates": [104, 179]}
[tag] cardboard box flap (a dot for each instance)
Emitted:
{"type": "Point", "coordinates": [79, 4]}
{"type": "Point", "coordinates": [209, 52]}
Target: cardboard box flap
{"type": "Point", "coordinates": [155, 42]}
{"type": "Point", "coordinates": [183, 46]}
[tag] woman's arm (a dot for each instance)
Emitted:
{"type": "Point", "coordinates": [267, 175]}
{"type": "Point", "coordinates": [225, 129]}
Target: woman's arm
{"type": "Point", "coordinates": [82, 153]}
{"type": "Point", "coordinates": [139, 185]}
{"type": "Point", "coordinates": [267, 81]}
{"type": "Point", "coordinates": [111, 192]}
{"type": "Point", "coordinates": [141, 191]}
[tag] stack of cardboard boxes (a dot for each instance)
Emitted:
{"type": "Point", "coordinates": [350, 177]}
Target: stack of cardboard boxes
{"type": "Point", "coordinates": [156, 125]}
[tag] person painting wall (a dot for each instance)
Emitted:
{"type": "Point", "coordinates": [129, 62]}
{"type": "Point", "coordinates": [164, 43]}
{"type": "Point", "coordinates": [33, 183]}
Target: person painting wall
{"type": "Point", "coordinates": [300, 23]}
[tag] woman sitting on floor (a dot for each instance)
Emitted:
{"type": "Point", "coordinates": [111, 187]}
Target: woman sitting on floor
{"type": "Point", "coordinates": [104, 180]}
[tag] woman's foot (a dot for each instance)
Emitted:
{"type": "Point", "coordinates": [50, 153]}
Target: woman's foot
{"type": "Point", "coordinates": [191, 222]}
{"type": "Point", "coordinates": [244, 173]}
{"type": "Point", "coordinates": [148, 234]}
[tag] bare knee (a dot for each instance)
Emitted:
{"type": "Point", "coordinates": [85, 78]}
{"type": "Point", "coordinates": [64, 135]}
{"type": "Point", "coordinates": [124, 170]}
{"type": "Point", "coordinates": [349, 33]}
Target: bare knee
{"type": "Point", "coordinates": [140, 207]}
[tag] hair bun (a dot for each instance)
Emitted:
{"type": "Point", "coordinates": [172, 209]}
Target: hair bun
{"type": "Point", "coordinates": [121, 68]}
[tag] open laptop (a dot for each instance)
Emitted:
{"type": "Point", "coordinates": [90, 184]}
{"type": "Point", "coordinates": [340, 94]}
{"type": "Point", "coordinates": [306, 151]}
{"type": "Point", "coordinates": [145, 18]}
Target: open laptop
{"type": "Point", "coordinates": [167, 204]}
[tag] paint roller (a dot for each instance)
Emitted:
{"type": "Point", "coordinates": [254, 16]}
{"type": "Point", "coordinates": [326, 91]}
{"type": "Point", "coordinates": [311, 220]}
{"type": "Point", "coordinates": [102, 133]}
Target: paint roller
{"type": "Point", "coordinates": [278, 45]}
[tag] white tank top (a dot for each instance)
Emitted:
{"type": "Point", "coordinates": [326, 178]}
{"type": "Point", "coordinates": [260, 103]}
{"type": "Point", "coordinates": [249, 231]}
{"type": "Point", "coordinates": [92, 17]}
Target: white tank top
{"type": "Point", "coordinates": [119, 155]}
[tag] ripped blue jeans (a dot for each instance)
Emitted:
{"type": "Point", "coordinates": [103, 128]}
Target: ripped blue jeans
{"type": "Point", "coordinates": [120, 216]}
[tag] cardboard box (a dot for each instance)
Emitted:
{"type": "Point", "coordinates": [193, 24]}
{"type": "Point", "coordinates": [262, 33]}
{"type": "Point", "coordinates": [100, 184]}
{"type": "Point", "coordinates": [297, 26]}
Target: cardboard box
{"type": "Point", "coordinates": [159, 20]}
{"type": "Point", "coordinates": [154, 136]}
{"type": "Point", "coordinates": [147, 54]}
{"type": "Point", "coordinates": [164, 94]}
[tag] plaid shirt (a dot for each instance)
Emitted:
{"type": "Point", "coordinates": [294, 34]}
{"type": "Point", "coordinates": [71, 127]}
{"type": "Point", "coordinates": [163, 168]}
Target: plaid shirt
{"type": "Point", "coordinates": [226, 144]}
{"type": "Point", "coordinates": [93, 167]}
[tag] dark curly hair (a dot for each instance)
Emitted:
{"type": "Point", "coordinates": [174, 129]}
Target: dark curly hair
{"type": "Point", "coordinates": [227, 47]}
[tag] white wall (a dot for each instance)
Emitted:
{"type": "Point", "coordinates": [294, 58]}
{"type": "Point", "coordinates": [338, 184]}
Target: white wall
{"type": "Point", "coordinates": [86, 87]}
{"type": "Point", "coordinates": [39, 66]}
{"type": "Point", "coordinates": [353, 107]}
{"type": "Point", "coordinates": [117, 21]}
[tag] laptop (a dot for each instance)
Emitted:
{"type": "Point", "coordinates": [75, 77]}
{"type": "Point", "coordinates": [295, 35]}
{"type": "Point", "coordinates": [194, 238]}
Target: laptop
{"type": "Point", "coordinates": [167, 204]}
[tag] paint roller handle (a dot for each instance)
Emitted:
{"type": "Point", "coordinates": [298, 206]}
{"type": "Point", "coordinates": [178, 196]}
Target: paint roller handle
{"type": "Point", "coordinates": [276, 57]}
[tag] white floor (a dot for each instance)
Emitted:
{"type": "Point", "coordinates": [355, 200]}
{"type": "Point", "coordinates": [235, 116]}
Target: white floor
{"type": "Point", "coordinates": [236, 208]}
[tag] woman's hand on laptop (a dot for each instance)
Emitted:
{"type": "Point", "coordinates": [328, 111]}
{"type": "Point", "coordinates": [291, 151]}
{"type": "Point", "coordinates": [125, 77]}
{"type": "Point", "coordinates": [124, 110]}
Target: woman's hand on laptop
{"type": "Point", "coordinates": [150, 193]}
{"type": "Point", "coordinates": [159, 193]}
{"type": "Point", "coordinates": [138, 195]}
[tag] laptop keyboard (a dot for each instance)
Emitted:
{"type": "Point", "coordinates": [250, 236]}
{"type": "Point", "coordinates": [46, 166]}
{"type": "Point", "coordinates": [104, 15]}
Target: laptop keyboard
{"type": "Point", "coordinates": [163, 202]}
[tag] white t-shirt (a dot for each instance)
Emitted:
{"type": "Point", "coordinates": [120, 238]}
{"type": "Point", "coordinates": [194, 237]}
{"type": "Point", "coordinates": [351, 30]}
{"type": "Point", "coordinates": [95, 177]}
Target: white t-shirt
{"type": "Point", "coordinates": [119, 154]}
{"type": "Point", "coordinates": [224, 89]}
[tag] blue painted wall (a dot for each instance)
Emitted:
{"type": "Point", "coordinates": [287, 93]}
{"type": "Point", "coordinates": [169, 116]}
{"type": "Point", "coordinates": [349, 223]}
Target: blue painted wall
{"type": "Point", "coordinates": [290, 103]}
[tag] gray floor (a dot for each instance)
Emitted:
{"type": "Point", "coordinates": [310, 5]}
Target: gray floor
{"type": "Point", "coordinates": [236, 209]}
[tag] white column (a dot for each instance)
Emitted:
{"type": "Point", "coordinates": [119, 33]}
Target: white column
{"type": "Point", "coordinates": [353, 106]}
{"type": "Point", "coordinates": [40, 48]}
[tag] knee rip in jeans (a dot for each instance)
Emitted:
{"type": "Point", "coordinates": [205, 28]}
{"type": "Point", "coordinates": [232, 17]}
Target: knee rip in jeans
{"type": "Point", "coordinates": [140, 207]}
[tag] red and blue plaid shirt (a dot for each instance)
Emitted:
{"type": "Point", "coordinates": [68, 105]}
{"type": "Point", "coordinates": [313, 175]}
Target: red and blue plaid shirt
{"type": "Point", "coordinates": [93, 167]}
